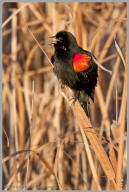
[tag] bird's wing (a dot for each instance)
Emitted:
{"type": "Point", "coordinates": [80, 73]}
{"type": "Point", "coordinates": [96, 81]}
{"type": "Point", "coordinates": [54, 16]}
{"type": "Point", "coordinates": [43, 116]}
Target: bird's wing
{"type": "Point", "coordinates": [81, 62]}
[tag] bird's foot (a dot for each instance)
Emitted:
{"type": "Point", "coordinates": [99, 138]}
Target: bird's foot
{"type": "Point", "coordinates": [74, 98]}
{"type": "Point", "coordinates": [62, 86]}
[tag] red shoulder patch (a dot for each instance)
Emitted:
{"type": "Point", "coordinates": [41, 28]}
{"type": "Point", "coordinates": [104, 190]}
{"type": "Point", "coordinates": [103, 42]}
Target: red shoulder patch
{"type": "Point", "coordinates": [52, 58]}
{"type": "Point", "coordinates": [81, 62]}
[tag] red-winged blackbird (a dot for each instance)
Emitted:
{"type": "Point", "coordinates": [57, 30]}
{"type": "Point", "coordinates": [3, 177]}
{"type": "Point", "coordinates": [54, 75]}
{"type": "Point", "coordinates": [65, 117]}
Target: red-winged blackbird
{"type": "Point", "coordinates": [75, 67]}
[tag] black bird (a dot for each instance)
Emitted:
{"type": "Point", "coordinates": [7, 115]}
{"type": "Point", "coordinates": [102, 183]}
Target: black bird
{"type": "Point", "coordinates": [75, 67]}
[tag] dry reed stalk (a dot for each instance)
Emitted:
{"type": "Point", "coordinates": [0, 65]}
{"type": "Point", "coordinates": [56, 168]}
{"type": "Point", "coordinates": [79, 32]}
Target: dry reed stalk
{"type": "Point", "coordinates": [87, 128]}
{"type": "Point", "coordinates": [100, 153]}
{"type": "Point", "coordinates": [111, 37]}
{"type": "Point", "coordinates": [29, 58]}
{"type": "Point", "coordinates": [56, 170]}
{"type": "Point", "coordinates": [112, 82]}
{"type": "Point", "coordinates": [14, 59]}
{"type": "Point", "coordinates": [36, 13]}
{"type": "Point", "coordinates": [60, 151]}
{"type": "Point", "coordinates": [40, 48]}
{"type": "Point", "coordinates": [122, 119]}
{"type": "Point", "coordinates": [26, 95]}
{"type": "Point", "coordinates": [85, 38]}
{"type": "Point", "coordinates": [116, 99]}
{"type": "Point", "coordinates": [108, 58]}
{"type": "Point", "coordinates": [30, 135]}
{"type": "Point", "coordinates": [31, 23]}
{"type": "Point", "coordinates": [11, 180]}
{"type": "Point", "coordinates": [34, 72]}
{"type": "Point", "coordinates": [39, 130]}
{"type": "Point", "coordinates": [14, 14]}
{"type": "Point", "coordinates": [98, 45]}
{"type": "Point", "coordinates": [78, 30]}
{"type": "Point", "coordinates": [108, 98]}
{"type": "Point", "coordinates": [39, 17]}
{"type": "Point", "coordinates": [84, 168]}
{"type": "Point", "coordinates": [76, 165]}
{"type": "Point", "coordinates": [90, 158]}
{"type": "Point", "coordinates": [122, 122]}
{"type": "Point", "coordinates": [21, 105]}
{"type": "Point", "coordinates": [120, 53]}
{"type": "Point", "coordinates": [113, 159]}
{"type": "Point", "coordinates": [121, 142]}
{"type": "Point", "coordinates": [53, 18]}
{"type": "Point", "coordinates": [77, 169]}
{"type": "Point", "coordinates": [74, 11]}
{"type": "Point", "coordinates": [103, 109]}
{"type": "Point", "coordinates": [99, 30]}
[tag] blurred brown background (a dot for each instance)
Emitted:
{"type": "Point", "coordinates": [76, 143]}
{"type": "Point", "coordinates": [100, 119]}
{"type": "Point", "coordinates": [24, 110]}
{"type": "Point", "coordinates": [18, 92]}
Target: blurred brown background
{"type": "Point", "coordinates": [35, 114]}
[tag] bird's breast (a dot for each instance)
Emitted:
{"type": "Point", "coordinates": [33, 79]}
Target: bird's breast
{"type": "Point", "coordinates": [63, 68]}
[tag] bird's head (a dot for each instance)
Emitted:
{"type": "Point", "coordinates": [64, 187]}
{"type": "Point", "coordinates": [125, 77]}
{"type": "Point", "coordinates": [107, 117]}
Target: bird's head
{"type": "Point", "coordinates": [64, 40]}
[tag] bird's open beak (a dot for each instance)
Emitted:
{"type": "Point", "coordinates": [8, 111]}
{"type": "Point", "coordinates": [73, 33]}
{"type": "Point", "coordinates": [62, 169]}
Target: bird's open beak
{"type": "Point", "coordinates": [55, 42]}
{"type": "Point", "coordinates": [54, 37]}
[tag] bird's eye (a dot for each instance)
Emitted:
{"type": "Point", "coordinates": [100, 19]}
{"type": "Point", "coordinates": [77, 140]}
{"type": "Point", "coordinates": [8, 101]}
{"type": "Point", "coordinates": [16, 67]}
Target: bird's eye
{"type": "Point", "coordinates": [60, 39]}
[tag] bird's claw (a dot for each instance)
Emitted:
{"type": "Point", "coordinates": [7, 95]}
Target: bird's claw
{"type": "Point", "coordinates": [72, 100]}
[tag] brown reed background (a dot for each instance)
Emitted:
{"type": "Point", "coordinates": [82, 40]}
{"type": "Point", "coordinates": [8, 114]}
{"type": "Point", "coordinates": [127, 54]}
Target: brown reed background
{"type": "Point", "coordinates": [36, 117]}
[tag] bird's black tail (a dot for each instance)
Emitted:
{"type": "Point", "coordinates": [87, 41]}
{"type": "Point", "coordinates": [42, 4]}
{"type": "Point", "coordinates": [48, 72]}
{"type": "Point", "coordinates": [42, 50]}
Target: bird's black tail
{"type": "Point", "coordinates": [84, 101]}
